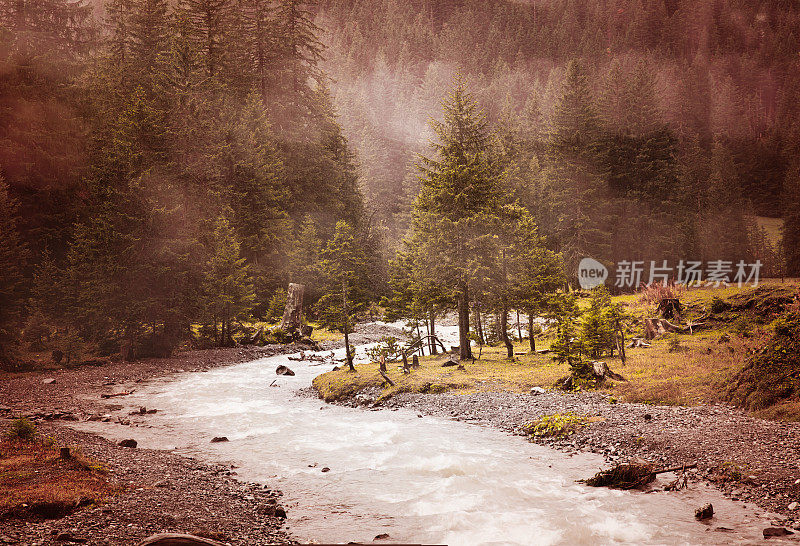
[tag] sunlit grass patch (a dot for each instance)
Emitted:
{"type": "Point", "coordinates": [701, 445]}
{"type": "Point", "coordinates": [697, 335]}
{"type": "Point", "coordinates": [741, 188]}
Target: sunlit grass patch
{"type": "Point", "coordinates": [493, 372]}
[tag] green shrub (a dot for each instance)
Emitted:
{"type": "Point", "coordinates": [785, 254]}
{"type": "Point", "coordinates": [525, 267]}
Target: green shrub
{"type": "Point", "coordinates": [674, 343]}
{"type": "Point", "coordinates": [21, 429]}
{"type": "Point", "coordinates": [388, 348]}
{"type": "Point", "coordinates": [742, 327]}
{"type": "Point", "coordinates": [556, 425]}
{"type": "Point", "coordinates": [276, 306]}
{"type": "Point", "coordinates": [718, 305]}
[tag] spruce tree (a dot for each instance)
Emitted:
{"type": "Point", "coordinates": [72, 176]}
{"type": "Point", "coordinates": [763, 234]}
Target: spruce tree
{"type": "Point", "coordinates": [791, 221]}
{"type": "Point", "coordinates": [456, 211]}
{"type": "Point", "coordinates": [13, 257]}
{"type": "Point", "coordinates": [227, 288]}
{"type": "Point", "coordinates": [209, 25]}
{"type": "Point", "coordinates": [572, 177]}
{"type": "Point", "coordinates": [347, 283]}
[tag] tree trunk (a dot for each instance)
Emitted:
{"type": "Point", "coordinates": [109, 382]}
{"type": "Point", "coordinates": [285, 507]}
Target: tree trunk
{"type": "Point", "coordinates": [346, 318]}
{"type": "Point", "coordinates": [504, 333]}
{"type": "Point", "coordinates": [531, 337]}
{"type": "Point", "coordinates": [293, 312]}
{"type": "Point", "coordinates": [465, 351]}
{"type": "Point", "coordinates": [421, 347]}
{"type": "Point", "coordinates": [478, 324]}
{"type": "Point", "coordinates": [433, 332]}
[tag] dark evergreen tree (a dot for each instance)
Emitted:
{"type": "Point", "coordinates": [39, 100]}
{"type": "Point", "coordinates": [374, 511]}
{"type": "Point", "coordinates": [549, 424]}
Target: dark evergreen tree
{"type": "Point", "coordinates": [457, 209]}
{"type": "Point", "coordinates": [13, 258]}
{"type": "Point", "coordinates": [227, 288]}
{"type": "Point", "coordinates": [347, 283]}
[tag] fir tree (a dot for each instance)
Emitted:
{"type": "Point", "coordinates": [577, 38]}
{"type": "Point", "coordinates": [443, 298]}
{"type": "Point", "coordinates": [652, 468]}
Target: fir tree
{"type": "Point", "coordinates": [13, 257]}
{"type": "Point", "coordinates": [347, 283]}
{"type": "Point", "coordinates": [228, 291]}
{"type": "Point", "coordinates": [209, 25]}
{"type": "Point", "coordinates": [791, 221]}
{"type": "Point", "coordinates": [458, 205]}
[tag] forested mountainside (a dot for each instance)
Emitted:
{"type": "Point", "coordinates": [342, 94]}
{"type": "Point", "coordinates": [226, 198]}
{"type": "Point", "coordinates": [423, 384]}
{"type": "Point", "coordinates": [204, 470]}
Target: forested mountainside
{"type": "Point", "coordinates": [162, 164]}
{"type": "Point", "coordinates": [693, 105]}
{"type": "Point", "coordinates": [171, 164]}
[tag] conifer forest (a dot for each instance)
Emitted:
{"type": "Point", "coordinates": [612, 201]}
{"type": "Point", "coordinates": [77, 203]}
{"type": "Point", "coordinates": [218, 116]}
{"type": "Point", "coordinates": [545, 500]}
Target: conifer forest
{"type": "Point", "coordinates": [499, 193]}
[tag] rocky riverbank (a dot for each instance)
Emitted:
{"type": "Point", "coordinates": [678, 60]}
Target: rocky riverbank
{"type": "Point", "coordinates": [163, 492]}
{"type": "Point", "coordinates": [749, 459]}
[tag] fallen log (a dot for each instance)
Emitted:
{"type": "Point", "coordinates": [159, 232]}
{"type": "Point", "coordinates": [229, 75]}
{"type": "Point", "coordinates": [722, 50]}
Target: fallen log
{"type": "Point", "coordinates": [114, 395]}
{"type": "Point", "coordinates": [177, 539]}
{"type": "Point", "coordinates": [630, 475]}
{"type": "Point", "coordinates": [386, 377]}
{"type": "Point", "coordinates": [655, 327]}
{"type": "Point", "coordinates": [638, 342]}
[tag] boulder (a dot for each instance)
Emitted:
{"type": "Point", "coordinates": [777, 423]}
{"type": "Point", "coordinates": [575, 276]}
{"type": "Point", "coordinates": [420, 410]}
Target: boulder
{"type": "Point", "coordinates": [284, 370]}
{"type": "Point", "coordinates": [48, 381]}
{"type": "Point", "coordinates": [280, 512]}
{"type": "Point", "coordinates": [776, 532]}
{"type": "Point", "coordinates": [219, 439]}
{"type": "Point", "coordinates": [130, 442]}
{"type": "Point", "coordinates": [704, 512]}
{"type": "Point", "coordinates": [537, 390]}
{"type": "Point", "coordinates": [450, 363]}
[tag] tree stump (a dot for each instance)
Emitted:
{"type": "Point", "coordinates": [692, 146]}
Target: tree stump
{"type": "Point", "coordinates": [670, 308]}
{"type": "Point", "coordinates": [293, 312]}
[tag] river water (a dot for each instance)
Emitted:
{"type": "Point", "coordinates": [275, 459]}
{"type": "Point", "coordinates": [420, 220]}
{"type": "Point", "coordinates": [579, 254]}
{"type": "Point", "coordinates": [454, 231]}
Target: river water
{"type": "Point", "coordinates": [419, 479]}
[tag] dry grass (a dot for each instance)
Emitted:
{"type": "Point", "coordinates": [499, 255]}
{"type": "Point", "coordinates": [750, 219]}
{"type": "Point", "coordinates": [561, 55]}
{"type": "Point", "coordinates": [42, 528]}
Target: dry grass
{"type": "Point", "coordinates": [35, 482]}
{"type": "Point", "coordinates": [493, 372]}
{"type": "Point", "coordinates": [695, 372]}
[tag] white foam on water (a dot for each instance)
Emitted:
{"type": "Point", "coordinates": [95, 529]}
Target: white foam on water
{"type": "Point", "coordinates": [419, 479]}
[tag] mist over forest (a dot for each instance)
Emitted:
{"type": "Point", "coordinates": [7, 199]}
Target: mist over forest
{"type": "Point", "coordinates": [168, 167]}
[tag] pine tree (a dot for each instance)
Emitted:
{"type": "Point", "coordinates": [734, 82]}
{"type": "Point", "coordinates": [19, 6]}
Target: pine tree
{"type": "Point", "coordinates": [209, 24]}
{"type": "Point", "coordinates": [347, 283]}
{"type": "Point", "coordinates": [723, 227]}
{"type": "Point", "coordinates": [305, 256]}
{"type": "Point", "coordinates": [791, 221]}
{"type": "Point", "coordinates": [228, 291]}
{"type": "Point", "coordinates": [13, 257]}
{"type": "Point", "coordinates": [458, 205]}
{"type": "Point", "coordinates": [572, 177]}
{"type": "Point", "coordinates": [575, 124]}
{"type": "Point", "coordinates": [45, 32]}
{"type": "Point", "coordinates": [259, 30]}
{"type": "Point", "coordinates": [149, 37]}
{"type": "Point", "coordinates": [534, 271]}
